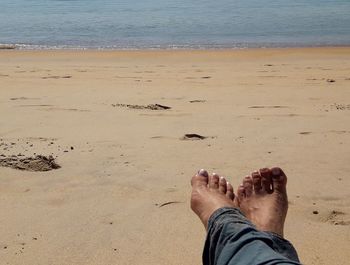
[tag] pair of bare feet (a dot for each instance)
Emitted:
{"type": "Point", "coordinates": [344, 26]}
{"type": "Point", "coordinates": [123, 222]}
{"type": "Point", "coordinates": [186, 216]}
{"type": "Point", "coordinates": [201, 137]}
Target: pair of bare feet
{"type": "Point", "coordinates": [262, 197]}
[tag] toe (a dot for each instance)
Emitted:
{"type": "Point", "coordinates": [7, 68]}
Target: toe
{"type": "Point", "coordinates": [256, 181]}
{"type": "Point", "coordinates": [279, 180]}
{"type": "Point", "coordinates": [266, 179]}
{"type": "Point", "coordinates": [229, 191]}
{"type": "Point", "coordinates": [248, 185]}
{"type": "Point", "coordinates": [214, 181]}
{"type": "Point", "coordinates": [241, 192]}
{"type": "Point", "coordinates": [222, 185]}
{"type": "Point", "coordinates": [200, 179]}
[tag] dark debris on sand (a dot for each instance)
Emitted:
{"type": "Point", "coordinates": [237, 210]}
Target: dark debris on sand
{"type": "Point", "coordinates": [7, 47]}
{"type": "Point", "coordinates": [37, 163]}
{"type": "Point", "coordinates": [150, 106]}
{"type": "Point", "coordinates": [193, 136]}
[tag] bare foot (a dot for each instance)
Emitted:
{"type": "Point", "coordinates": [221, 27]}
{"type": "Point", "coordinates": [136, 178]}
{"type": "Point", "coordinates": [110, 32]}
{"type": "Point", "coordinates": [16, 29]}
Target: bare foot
{"type": "Point", "coordinates": [210, 193]}
{"type": "Point", "coordinates": [262, 197]}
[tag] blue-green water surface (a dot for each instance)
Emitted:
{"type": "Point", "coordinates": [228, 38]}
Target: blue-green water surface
{"type": "Point", "coordinates": [174, 23]}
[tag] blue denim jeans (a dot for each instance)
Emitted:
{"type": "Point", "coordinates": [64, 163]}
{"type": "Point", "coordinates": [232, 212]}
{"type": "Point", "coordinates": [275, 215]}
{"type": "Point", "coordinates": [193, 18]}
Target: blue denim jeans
{"type": "Point", "coordinates": [232, 239]}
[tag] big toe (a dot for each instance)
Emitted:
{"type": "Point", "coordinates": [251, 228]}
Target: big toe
{"type": "Point", "coordinates": [200, 179]}
{"type": "Point", "coordinates": [279, 179]}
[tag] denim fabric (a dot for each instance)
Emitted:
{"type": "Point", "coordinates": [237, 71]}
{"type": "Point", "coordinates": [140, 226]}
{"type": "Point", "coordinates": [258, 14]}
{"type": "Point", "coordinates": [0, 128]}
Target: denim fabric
{"type": "Point", "coordinates": [232, 239]}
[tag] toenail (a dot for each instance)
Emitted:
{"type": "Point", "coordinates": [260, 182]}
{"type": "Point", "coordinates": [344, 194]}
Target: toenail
{"type": "Point", "coordinates": [276, 172]}
{"type": "Point", "coordinates": [255, 174]}
{"type": "Point", "coordinates": [203, 173]}
{"type": "Point", "coordinates": [216, 176]}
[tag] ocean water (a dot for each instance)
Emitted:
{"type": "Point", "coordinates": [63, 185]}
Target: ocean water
{"type": "Point", "coordinates": [174, 23]}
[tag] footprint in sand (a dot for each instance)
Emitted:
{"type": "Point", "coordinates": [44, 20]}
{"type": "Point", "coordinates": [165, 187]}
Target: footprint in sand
{"type": "Point", "coordinates": [35, 105]}
{"type": "Point", "coordinates": [32, 153]}
{"type": "Point", "coordinates": [37, 163]}
{"type": "Point", "coordinates": [197, 101]}
{"type": "Point", "coordinates": [340, 106]}
{"type": "Point", "coordinates": [66, 109]}
{"type": "Point", "coordinates": [273, 76]}
{"type": "Point", "coordinates": [332, 217]}
{"type": "Point", "coordinates": [268, 107]}
{"type": "Point", "coordinates": [313, 79]}
{"type": "Point", "coordinates": [23, 98]}
{"type": "Point", "coordinates": [305, 133]}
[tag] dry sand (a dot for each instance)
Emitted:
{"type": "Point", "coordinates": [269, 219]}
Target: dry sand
{"type": "Point", "coordinates": [121, 195]}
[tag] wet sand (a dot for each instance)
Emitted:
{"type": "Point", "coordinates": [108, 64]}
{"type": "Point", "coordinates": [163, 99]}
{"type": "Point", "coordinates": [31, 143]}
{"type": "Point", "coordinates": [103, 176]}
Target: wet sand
{"type": "Point", "coordinates": [121, 194]}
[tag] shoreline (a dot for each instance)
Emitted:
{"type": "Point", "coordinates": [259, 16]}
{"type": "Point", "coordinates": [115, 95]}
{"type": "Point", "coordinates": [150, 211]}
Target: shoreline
{"type": "Point", "coordinates": [25, 47]}
{"type": "Point", "coordinates": [203, 56]}
{"type": "Point", "coordinates": [223, 50]}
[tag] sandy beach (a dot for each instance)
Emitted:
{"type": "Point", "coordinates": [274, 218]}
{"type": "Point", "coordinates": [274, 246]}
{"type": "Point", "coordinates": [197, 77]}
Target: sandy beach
{"type": "Point", "coordinates": [121, 194]}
